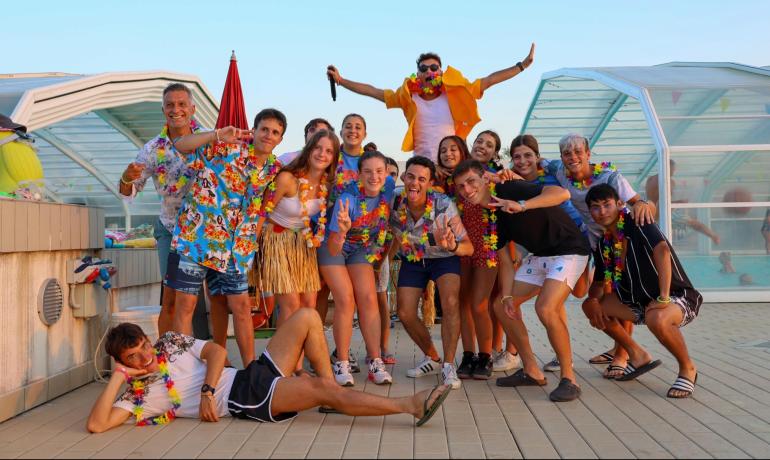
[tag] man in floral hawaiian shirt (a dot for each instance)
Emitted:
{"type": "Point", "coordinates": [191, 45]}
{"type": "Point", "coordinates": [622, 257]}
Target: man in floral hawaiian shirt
{"type": "Point", "coordinates": [216, 233]}
{"type": "Point", "coordinates": [171, 175]}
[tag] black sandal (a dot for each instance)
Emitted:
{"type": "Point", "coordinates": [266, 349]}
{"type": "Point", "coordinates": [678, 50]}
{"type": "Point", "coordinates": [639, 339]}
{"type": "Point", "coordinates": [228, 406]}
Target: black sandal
{"type": "Point", "coordinates": [619, 370]}
{"type": "Point", "coordinates": [684, 385]}
{"type": "Point", "coordinates": [520, 379]}
{"type": "Point", "coordinates": [634, 372]}
{"type": "Point", "coordinates": [566, 391]}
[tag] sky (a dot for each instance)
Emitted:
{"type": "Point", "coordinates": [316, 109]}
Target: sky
{"type": "Point", "coordinates": [283, 47]}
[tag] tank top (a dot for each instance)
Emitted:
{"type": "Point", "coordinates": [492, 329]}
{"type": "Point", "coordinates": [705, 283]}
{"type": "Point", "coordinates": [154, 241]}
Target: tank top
{"type": "Point", "coordinates": [288, 211]}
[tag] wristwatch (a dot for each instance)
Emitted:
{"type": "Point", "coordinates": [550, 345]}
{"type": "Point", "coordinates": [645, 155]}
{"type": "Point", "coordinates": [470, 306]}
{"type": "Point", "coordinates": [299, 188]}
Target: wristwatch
{"type": "Point", "coordinates": [523, 204]}
{"type": "Point", "coordinates": [206, 388]}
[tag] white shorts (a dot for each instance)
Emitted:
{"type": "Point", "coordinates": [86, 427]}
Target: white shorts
{"type": "Point", "coordinates": [384, 279]}
{"type": "Point", "coordinates": [534, 270]}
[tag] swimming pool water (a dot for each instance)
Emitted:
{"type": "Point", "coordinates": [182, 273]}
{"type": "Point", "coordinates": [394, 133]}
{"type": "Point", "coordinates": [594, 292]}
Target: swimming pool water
{"type": "Point", "coordinates": [705, 271]}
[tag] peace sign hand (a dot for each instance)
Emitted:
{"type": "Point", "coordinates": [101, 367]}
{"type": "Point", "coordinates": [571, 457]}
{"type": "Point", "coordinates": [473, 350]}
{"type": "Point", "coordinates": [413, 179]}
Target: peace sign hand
{"type": "Point", "coordinates": [343, 217]}
{"type": "Point", "coordinates": [444, 235]}
{"type": "Point", "coordinates": [509, 206]}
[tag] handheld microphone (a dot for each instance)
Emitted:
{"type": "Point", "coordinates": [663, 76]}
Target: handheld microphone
{"type": "Point", "coordinates": [333, 87]}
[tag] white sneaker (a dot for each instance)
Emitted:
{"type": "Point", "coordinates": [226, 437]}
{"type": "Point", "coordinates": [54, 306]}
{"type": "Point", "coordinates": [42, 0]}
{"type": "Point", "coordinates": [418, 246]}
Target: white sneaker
{"type": "Point", "coordinates": [449, 374]}
{"type": "Point", "coordinates": [505, 361]}
{"type": "Point", "coordinates": [426, 367]}
{"type": "Point", "coordinates": [342, 374]}
{"type": "Point", "coordinates": [377, 372]}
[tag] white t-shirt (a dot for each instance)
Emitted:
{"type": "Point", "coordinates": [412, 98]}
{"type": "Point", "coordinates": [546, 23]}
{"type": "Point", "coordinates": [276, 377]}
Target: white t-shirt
{"type": "Point", "coordinates": [188, 372]}
{"type": "Point", "coordinates": [578, 196]}
{"type": "Point", "coordinates": [433, 122]}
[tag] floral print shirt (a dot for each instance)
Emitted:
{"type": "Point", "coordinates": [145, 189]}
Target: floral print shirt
{"type": "Point", "coordinates": [170, 172]}
{"type": "Point", "coordinates": [218, 219]}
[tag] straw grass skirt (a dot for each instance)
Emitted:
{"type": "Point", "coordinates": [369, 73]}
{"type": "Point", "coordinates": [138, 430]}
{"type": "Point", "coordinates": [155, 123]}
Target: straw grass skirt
{"type": "Point", "coordinates": [285, 264]}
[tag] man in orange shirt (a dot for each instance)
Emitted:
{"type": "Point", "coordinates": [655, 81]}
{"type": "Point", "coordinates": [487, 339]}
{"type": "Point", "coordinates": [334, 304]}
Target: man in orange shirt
{"type": "Point", "coordinates": [436, 103]}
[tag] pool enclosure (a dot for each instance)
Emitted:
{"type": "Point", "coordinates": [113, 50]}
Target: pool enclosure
{"type": "Point", "coordinates": [87, 128]}
{"type": "Point", "coordinates": [713, 121]}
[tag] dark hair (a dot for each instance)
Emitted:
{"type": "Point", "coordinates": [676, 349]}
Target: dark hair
{"type": "Point", "coordinates": [353, 115]}
{"type": "Point", "coordinates": [422, 161]}
{"type": "Point", "coordinates": [122, 337]}
{"type": "Point", "coordinates": [495, 136]}
{"type": "Point", "coordinates": [468, 166]}
{"type": "Point", "coordinates": [460, 143]}
{"type": "Point", "coordinates": [390, 161]}
{"type": "Point", "coordinates": [177, 87]}
{"type": "Point", "coordinates": [601, 192]}
{"type": "Point", "coordinates": [428, 55]}
{"type": "Point", "coordinates": [370, 146]}
{"type": "Point", "coordinates": [275, 114]}
{"type": "Point", "coordinates": [526, 140]}
{"type": "Point", "coordinates": [301, 163]}
{"type": "Point", "coordinates": [369, 155]}
{"type": "Point", "coordinates": [315, 122]}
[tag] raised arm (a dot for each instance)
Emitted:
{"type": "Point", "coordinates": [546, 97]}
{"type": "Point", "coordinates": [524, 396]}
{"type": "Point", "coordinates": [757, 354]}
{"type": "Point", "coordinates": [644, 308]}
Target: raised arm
{"type": "Point", "coordinates": [228, 135]}
{"type": "Point", "coordinates": [360, 88]}
{"type": "Point", "coordinates": [506, 74]}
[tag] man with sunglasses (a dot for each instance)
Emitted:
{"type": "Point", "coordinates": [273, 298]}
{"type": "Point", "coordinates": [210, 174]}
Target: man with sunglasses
{"type": "Point", "coordinates": [436, 103]}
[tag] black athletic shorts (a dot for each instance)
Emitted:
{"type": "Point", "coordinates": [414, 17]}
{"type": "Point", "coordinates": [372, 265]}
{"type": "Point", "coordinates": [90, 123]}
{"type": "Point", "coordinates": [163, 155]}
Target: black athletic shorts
{"type": "Point", "coordinates": [251, 395]}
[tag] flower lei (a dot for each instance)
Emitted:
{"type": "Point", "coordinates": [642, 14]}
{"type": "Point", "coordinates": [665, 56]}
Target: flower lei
{"type": "Point", "coordinates": [375, 251]}
{"type": "Point", "coordinates": [258, 178]}
{"type": "Point", "coordinates": [313, 240]}
{"type": "Point", "coordinates": [598, 170]}
{"type": "Point", "coordinates": [540, 175]}
{"type": "Point", "coordinates": [612, 276]}
{"type": "Point", "coordinates": [162, 161]}
{"type": "Point", "coordinates": [137, 390]}
{"type": "Point", "coordinates": [489, 219]}
{"type": "Point", "coordinates": [415, 254]}
{"type": "Point", "coordinates": [419, 86]}
{"type": "Point", "coordinates": [339, 174]}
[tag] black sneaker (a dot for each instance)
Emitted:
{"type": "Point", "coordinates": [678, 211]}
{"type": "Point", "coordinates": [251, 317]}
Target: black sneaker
{"type": "Point", "coordinates": [465, 371]}
{"type": "Point", "coordinates": [483, 369]}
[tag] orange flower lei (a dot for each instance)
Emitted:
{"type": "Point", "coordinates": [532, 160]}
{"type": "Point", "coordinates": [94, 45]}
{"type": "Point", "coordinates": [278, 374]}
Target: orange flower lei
{"type": "Point", "coordinates": [375, 251]}
{"type": "Point", "coordinates": [313, 240]}
{"type": "Point", "coordinates": [489, 220]}
{"type": "Point", "coordinates": [138, 390]}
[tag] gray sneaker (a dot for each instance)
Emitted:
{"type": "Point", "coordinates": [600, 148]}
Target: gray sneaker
{"type": "Point", "coordinates": [354, 368]}
{"type": "Point", "coordinates": [552, 366]}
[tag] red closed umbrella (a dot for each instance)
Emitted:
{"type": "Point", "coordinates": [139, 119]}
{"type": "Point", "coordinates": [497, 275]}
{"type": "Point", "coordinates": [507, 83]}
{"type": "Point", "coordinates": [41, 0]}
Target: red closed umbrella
{"type": "Point", "coordinates": [232, 111]}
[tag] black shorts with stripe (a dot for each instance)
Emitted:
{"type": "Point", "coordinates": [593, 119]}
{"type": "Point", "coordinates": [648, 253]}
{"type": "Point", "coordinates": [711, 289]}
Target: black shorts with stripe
{"type": "Point", "coordinates": [251, 395]}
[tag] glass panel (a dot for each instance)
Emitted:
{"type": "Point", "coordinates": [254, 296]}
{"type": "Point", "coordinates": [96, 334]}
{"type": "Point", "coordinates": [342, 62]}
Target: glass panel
{"type": "Point", "coordinates": [741, 260]}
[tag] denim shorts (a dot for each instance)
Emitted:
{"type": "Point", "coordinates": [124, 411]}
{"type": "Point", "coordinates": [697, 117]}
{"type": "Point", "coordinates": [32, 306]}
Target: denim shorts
{"type": "Point", "coordinates": [163, 237]}
{"type": "Point", "coordinates": [186, 276]}
{"type": "Point", "coordinates": [417, 274]}
{"type": "Point", "coordinates": [348, 256]}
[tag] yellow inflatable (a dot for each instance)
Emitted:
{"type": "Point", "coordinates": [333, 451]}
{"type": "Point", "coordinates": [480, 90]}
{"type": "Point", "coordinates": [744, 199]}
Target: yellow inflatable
{"type": "Point", "coordinates": [18, 163]}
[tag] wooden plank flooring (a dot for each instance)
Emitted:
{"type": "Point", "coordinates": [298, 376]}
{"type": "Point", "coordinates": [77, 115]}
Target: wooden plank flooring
{"type": "Point", "coordinates": [729, 416]}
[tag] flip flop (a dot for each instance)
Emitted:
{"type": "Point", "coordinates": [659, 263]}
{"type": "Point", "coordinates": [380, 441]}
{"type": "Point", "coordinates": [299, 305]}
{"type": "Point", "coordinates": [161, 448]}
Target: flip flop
{"type": "Point", "coordinates": [604, 358]}
{"type": "Point", "coordinates": [390, 358]}
{"type": "Point", "coordinates": [619, 370]}
{"type": "Point", "coordinates": [633, 372]}
{"type": "Point", "coordinates": [520, 379]}
{"type": "Point", "coordinates": [682, 384]}
{"type": "Point", "coordinates": [429, 411]}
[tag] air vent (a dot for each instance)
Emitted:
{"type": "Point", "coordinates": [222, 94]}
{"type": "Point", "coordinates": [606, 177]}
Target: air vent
{"type": "Point", "coordinates": [50, 301]}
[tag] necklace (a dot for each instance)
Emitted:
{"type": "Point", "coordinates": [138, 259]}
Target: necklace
{"type": "Point", "coordinates": [339, 175]}
{"type": "Point", "coordinates": [374, 251]}
{"type": "Point", "coordinates": [313, 240]}
{"type": "Point", "coordinates": [137, 394]}
{"type": "Point", "coordinates": [415, 254]}
{"type": "Point", "coordinates": [489, 219]}
{"type": "Point", "coordinates": [419, 86]}
{"type": "Point", "coordinates": [540, 174]}
{"type": "Point", "coordinates": [163, 162]}
{"type": "Point", "coordinates": [262, 177]}
{"type": "Point", "coordinates": [598, 169]}
{"type": "Point", "coordinates": [612, 276]}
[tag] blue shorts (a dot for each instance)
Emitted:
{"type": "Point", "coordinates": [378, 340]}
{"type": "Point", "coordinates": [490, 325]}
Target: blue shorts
{"type": "Point", "coordinates": [186, 276]}
{"type": "Point", "coordinates": [163, 237]}
{"type": "Point", "coordinates": [417, 274]}
{"type": "Point", "coordinates": [348, 255]}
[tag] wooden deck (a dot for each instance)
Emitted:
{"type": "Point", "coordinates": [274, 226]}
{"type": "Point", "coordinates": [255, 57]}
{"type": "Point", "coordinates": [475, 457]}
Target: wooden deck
{"type": "Point", "coordinates": [729, 415]}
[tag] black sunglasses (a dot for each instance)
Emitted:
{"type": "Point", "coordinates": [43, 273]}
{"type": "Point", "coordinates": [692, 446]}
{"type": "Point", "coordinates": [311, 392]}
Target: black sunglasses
{"type": "Point", "coordinates": [424, 68]}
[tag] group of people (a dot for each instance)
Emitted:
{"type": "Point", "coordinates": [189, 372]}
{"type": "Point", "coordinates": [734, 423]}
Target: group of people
{"type": "Point", "coordinates": [329, 218]}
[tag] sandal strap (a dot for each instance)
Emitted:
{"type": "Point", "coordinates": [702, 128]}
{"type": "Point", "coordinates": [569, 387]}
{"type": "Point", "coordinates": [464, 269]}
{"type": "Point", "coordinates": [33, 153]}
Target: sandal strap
{"type": "Point", "coordinates": [683, 384]}
{"type": "Point", "coordinates": [629, 368]}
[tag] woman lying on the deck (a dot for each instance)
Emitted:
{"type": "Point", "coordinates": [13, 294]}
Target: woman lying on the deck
{"type": "Point", "coordinates": [185, 377]}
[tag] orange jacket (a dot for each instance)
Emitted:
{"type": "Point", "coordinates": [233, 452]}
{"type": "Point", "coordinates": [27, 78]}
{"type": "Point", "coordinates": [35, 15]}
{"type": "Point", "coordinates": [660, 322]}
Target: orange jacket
{"type": "Point", "coordinates": [461, 94]}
